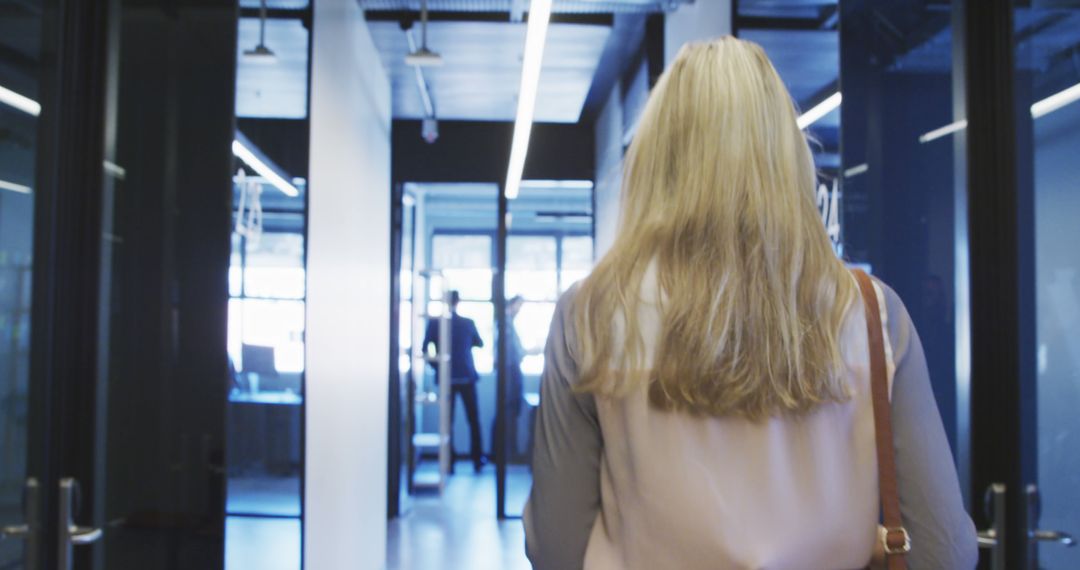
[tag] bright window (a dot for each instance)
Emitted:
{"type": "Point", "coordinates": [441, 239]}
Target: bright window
{"type": "Point", "coordinates": [577, 260]}
{"type": "Point", "coordinates": [274, 266]}
{"type": "Point", "coordinates": [266, 305]}
{"type": "Point", "coordinates": [465, 262]}
{"type": "Point", "coordinates": [538, 267]}
{"type": "Point", "coordinates": [278, 324]}
{"type": "Point", "coordinates": [531, 263]}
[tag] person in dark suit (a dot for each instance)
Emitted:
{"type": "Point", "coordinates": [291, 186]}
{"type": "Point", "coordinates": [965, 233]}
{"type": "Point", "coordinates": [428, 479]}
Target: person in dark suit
{"type": "Point", "coordinates": [463, 376]}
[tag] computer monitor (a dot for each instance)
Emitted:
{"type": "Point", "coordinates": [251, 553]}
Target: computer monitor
{"type": "Point", "coordinates": [259, 359]}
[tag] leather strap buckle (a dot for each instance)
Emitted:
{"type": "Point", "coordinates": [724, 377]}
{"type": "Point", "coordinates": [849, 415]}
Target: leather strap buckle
{"type": "Point", "coordinates": [890, 533]}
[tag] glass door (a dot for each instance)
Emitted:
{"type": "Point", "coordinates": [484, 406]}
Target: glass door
{"type": "Point", "coordinates": [959, 180]}
{"type": "Point", "coordinates": [138, 285]}
{"type": "Point", "coordinates": [21, 400]}
{"type": "Point", "coordinates": [1048, 144]}
{"type": "Point", "coordinates": [150, 457]}
{"type": "Point", "coordinates": [116, 130]}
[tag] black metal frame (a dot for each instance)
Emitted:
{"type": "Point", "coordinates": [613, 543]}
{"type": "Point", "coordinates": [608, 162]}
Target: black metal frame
{"type": "Point", "coordinates": [305, 15]}
{"type": "Point", "coordinates": [67, 232]}
{"type": "Point", "coordinates": [1000, 243]}
{"type": "Point", "coordinates": [501, 328]}
{"type": "Point", "coordinates": [407, 17]}
{"type": "Point", "coordinates": [79, 69]}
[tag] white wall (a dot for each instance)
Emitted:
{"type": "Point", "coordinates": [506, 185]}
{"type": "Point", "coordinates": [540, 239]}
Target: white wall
{"type": "Point", "coordinates": [702, 20]}
{"type": "Point", "coordinates": [347, 300]}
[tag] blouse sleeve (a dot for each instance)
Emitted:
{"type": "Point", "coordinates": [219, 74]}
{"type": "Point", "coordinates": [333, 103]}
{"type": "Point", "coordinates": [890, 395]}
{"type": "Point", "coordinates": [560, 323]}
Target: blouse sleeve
{"type": "Point", "coordinates": [565, 498]}
{"type": "Point", "coordinates": [942, 534]}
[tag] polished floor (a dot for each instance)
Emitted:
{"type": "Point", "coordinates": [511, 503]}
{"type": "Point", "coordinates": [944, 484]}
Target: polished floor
{"type": "Point", "coordinates": [264, 495]}
{"type": "Point", "coordinates": [262, 528]}
{"type": "Point", "coordinates": [455, 531]}
{"type": "Point", "coordinates": [459, 530]}
{"type": "Point", "coordinates": [262, 543]}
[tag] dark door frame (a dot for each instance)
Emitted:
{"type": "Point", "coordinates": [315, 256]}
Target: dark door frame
{"type": "Point", "coordinates": [67, 237]}
{"type": "Point", "coordinates": [79, 70]}
{"type": "Point", "coordinates": [1000, 244]}
{"type": "Point", "coordinates": [501, 328]}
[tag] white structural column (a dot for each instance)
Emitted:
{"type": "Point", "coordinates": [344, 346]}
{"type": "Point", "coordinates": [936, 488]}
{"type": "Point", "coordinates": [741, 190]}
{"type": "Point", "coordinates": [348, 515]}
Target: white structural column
{"type": "Point", "coordinates": [348, 279]}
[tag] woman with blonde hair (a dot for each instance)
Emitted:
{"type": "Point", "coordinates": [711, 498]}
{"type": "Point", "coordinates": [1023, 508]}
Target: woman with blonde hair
{"type": "Point", "coordinates": [706, 398]}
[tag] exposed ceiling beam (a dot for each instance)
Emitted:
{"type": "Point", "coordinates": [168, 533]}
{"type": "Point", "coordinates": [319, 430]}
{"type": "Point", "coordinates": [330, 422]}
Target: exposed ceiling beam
{"type": "Point", "coordinates": [409, 15]}
{"type": "Point", "coordinates": [824, 19]}
{"type": "Point", "coordinates": [277, 13]}
{"type": "Point", "coordinates": [627, 35]}
{"type": "Point", "coordinates": [1040, 26]}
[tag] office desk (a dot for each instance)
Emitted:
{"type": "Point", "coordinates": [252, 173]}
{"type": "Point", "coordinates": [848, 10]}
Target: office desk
{"type": "Point", "coordinates": [263, 432]}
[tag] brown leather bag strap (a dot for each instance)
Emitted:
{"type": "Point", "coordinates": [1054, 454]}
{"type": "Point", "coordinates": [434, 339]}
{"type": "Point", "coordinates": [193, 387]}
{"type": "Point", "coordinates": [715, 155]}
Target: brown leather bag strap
{"type": "Point", "coordinates": [897, 541]}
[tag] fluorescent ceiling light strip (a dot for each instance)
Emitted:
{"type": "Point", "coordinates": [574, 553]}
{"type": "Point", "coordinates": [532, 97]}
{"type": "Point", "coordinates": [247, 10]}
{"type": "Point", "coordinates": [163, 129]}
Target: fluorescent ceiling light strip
{"type": "Point", "coordinates": [820, 110]}
{"type": "Point", "coordinates": [1039, 108]}
{"type": "Point", "coordinates": [943, 131]}
{"type": "Point", "coordinates": [5, 185]}
{"type": "Point", "coordinates": [535, 37]}
{"type": "Point", "coordinates": [558, 184]}
{"type": "Point", "coordinates": [20, 102]}
{"type": "Point", "coordinates": [263, 169]}
{"type": "Point", "coordinates": [856, 170]}
{"type": "Point", "coordinates": [1055, 101]}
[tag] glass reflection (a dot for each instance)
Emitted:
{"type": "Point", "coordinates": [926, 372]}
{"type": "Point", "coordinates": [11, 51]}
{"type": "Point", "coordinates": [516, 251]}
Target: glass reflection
{"type": "Point", "coordinates": [266, 352]}
{"type": "Point", "coordinates": [1048, 93]}
{"type": "Point", "coordinates": [899, 211]}
{"type": "Point", "coordinates": [20, 37]}
{"type": "Point", "coordinates": [549, 248]}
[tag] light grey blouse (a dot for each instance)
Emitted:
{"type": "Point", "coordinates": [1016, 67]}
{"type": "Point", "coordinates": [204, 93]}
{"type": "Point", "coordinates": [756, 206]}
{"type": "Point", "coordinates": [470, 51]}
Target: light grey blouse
{"type": "Point", "coordinates": [571, 465]}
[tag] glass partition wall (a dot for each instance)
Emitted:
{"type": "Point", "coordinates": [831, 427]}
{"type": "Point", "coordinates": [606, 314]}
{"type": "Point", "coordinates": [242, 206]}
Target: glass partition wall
{"type": "Point", "coordinates": [20, 46]}
{"type": "Point", "coordinates": [957, 187]}
{"type": "Point", "coordinates": [549, 247]}
{"type": "Point", "coordinates": [1047, 74]}
{"type": "Point", "coordinates": [267, 290]}
{"type": "Point", "coordinates": [451, 241]}
{"type": "Point", "coordinates": [266, 349]}
{"type": "Point", "coordinates": [857, 85]}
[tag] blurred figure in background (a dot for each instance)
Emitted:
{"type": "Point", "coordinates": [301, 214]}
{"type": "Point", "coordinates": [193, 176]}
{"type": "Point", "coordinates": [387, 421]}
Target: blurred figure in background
{"type": "Point", "coordinates": [515, 381]}
{"type": "Point", "coordinates": [463, 376]}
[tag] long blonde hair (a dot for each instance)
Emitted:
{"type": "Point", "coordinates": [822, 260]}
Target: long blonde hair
{"type": "Point", "coordinates": [718, 193]}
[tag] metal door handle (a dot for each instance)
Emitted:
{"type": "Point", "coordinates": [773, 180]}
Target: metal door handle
{"type": "Point", "coordinates": [79, 535]}
{"type": "Point", "coordinates": [20, 531]}
{"type": "Point", "coordinates": [70, 533]}
{"type": "Point", "coordinates": [1057, 536]}
{"type": "Point", "coordinates": [987, 538]}
{"type": "Point", "coordinates": [991, 538]}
